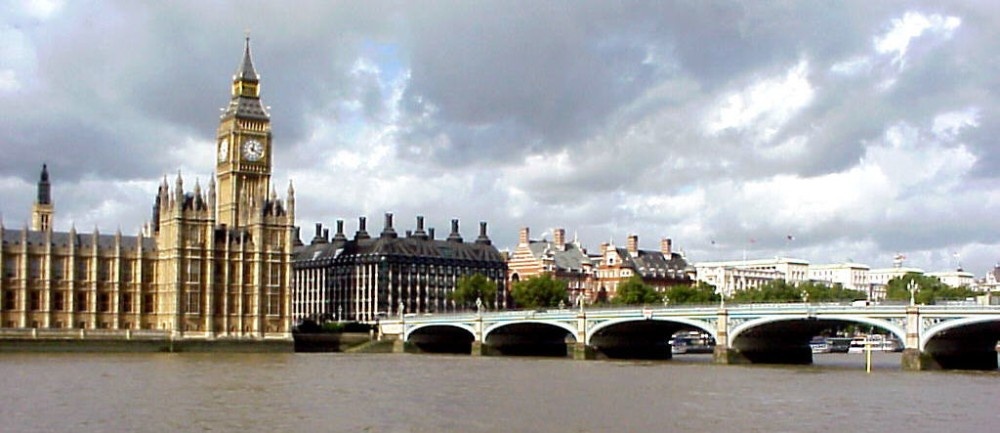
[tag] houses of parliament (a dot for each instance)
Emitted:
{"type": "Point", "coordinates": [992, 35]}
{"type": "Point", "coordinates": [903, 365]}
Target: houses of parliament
{"type": "Point", "coordinates": [214, 262]}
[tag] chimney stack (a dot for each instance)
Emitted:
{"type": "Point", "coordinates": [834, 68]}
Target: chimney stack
{"type": "Point", "coordinates": [483, 239]}
{"type": "Point", "coordinates": [523, 239]}
{"type": "Point", "coordinates": [454, 236]}
{"type": "Point", "coordinates": [318, 238]}
{"type": "Point", "coordinates": [362, 233]}
{"type": "Point", "coordinates": [559, 239]}
{"type": "Point", "coordinates": [388, 231]}
{"type": "Point", "coordinates": [632, 246]}
{"type": "Point", "coordinates": [666, 247]}
{"type": "Point", "coordinates": [340, 232]}
{"type": "Point", "coordinates": [420, 233]}
{"type": "Point", "coordinates": [430, 233]}
{"type": "Point", "coordinates": [326, 235]}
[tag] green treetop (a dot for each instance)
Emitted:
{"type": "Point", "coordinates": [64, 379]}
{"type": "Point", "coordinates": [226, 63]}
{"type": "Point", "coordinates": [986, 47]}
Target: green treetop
{"type": "Point", "coordinates": [635, 292]}
{"type": "Point", "coordinates": [539, 292]}
{"type": "Point", "coordinates": [929, 289]}
{"type": "Point", "coordinates": [474, 287]}
{"type": "Point", "coordinates": [700, 293]}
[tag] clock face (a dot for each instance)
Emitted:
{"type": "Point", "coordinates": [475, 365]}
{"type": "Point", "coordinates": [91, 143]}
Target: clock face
{"type": "Point", "coordinates": [253, 150]}
{"type": "Point", "coordinates": [223, 149]}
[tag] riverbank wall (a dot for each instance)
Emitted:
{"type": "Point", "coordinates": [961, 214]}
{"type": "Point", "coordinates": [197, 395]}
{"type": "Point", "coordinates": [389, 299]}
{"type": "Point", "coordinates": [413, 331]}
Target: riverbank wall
{"type": "Point", "coordinates": [127, 341]}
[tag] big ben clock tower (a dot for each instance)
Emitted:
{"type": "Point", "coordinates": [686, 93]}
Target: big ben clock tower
{"type": "Point", "coordinates": [243, 146]}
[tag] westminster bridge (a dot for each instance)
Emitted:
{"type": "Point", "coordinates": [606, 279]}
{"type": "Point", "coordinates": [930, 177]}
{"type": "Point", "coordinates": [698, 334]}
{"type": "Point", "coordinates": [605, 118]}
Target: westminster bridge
{"type": "Point", "coordinates": [937, 336]}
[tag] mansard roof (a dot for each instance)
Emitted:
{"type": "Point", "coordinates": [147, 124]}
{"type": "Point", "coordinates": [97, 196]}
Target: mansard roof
{"type": "Point", "coordinates": [653, 264]}
{"type": "Point", "coordinates": [571, 258]}
{"type": "Point", "coordinates": [413, 248]}
{"type": "Point", "coordinates": [81, 240]}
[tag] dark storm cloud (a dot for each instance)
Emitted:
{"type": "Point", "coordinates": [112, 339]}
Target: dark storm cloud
{"type": "Point", "coordinates": [556, 113]}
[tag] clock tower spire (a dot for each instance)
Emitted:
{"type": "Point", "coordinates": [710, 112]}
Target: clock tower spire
{"type": "Point", "coordinates": [243, 145]}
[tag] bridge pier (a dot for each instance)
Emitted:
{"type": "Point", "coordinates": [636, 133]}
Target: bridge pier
{"type": "Point", "coordinates": [581, 351]}
{"type": "Point", "coordinates": [727, 356]}
{"type": "Point", "coordinates": [480, 349]}
{"type": "Point", "coordinates": [722, 354]}
{"type": "Point", "coordinates": [915, 360]}
{"type": "Point", "coordinates": [942, 355]}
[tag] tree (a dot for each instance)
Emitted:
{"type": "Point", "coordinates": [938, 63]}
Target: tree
{"type": "Point", "coordinates": [819, 292]}
{"type": "Point", "coordinates": [469, 288]}
{"type": "Point", "coordinates": [929, 289]}
{"type": "Point", "coordinates": [701, 293]}
{"type": "Point", "coordinates": [772, 291]}
{"type": "Point", "coordinates": [539, 292]}
{"type": "Point", "coordinates": [635, 292]}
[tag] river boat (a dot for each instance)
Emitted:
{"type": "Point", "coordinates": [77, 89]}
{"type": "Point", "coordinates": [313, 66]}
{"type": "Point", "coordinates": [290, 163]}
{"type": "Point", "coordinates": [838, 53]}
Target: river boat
{"type": "Point", "coordinates": [819, 345]}
{"type": "Point", "coordinates": [839, 344]}
{"type": "Point", "coordinates": [878, 343]}
{"type": "Point", "coordinates": [691, 342]}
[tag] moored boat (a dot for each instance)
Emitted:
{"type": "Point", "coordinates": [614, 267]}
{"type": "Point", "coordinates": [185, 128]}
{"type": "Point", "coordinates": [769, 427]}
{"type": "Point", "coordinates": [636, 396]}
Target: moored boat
{"type": "Point", "coordinates": [819, 345]}
{"type": "Point", "coordinates": [877, 343]}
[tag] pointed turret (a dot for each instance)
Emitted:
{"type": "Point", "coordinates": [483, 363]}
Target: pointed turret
{"type": "Point", "coordinates": [211, 196]}
{"type": "Point", "coordinates": [177, 201]}
{"type": "Point", "coordinates": [42, 210]}
{"type": "Point", "coordinates": [290, 201]}
{"type": "Point", "coordinates": [44, 188]}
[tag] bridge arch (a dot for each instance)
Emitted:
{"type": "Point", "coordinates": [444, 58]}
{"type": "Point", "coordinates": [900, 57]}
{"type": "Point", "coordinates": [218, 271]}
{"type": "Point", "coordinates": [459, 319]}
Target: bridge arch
{"type": "Point", "coordinates": [735, 332]}
{"type": "Point", "coordinates": [698, 324]}
{"type": "Point", "coordinates": [928, 334]}
{"type": "Point", "coordinates": [463, 326]}
{"type": "Point", "coordinates": [558, 324]}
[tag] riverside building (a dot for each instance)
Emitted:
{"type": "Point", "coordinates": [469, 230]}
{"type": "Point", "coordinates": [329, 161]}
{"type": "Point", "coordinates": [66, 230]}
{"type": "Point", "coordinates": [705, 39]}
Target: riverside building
{"type": "Point", "coordinates": [368, 277]}
{"type": "Point", "coordinates": [566, 261]}
{"type": "Point", "coordinates": [658, 268]}
{"type": "Point", "coordinates": [212, 263]}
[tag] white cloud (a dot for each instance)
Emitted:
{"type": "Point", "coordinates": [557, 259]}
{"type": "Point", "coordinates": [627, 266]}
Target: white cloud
{"type": "Point", "coordinates": [17, 59]}
{"type": "Point", "coordinates": [853, 66]}
{"type": "Point", "coordinates": [43, 9]}
{"type": "Point", "coordinates": [763, 108]}
{"type": "Point", "coordinates": [912, 25]}
{"type": "Point", "coordinates": [950, 124]}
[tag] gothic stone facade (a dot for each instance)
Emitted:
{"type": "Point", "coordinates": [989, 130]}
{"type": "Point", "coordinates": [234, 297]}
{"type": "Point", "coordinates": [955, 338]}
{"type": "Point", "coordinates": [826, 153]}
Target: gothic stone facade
{"type": "Point", "coordinates": [211, 264]}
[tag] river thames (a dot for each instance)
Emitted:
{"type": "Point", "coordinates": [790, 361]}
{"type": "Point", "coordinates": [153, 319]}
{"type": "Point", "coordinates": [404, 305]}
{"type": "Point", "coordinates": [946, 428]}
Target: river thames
{"type": "Point", "coordinates": [329, 392]}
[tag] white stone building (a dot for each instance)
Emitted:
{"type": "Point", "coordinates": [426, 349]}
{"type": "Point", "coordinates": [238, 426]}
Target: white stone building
{"type": "Point", "coordinates": [853, 276]}
{"type": "Point", "coordinates": [736, 275]}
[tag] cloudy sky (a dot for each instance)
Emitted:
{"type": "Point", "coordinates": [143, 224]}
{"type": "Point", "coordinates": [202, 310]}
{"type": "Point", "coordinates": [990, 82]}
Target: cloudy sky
{"type": "Point", "coordinates": [860, 129]}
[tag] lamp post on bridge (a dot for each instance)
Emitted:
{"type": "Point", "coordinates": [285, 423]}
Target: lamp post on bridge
{"type": "Point", "coordinates": [913, 287]}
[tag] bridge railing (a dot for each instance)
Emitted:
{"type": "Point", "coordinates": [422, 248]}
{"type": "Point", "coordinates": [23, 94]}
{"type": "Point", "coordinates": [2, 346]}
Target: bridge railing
{"type": "Point", "coordinates": [673, 309]}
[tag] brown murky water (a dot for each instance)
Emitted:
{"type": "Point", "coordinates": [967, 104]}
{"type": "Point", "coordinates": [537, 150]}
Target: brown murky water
{"type": "Point", "coordinates": [86, 393]}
